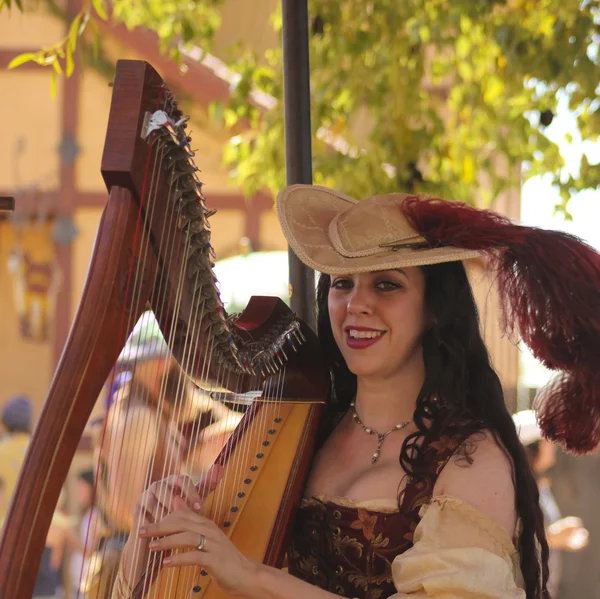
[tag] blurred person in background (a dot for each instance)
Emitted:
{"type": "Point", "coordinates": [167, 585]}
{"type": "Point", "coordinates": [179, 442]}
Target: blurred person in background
{"type": "Point", "coordinates": [152, 429]}
{"type": "Point", "coordinates": [62, 535]}
{"type": "Point", "coordinates": [89, 529]}
{"type": "Point", "coordinates": [563, 534]}
{"type": "Point", "coordinates": [16, 431]}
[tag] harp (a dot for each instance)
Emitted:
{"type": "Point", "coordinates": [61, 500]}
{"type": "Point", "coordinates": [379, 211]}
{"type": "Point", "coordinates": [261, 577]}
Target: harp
{"type": "Point", "coordinates": [153, 251]}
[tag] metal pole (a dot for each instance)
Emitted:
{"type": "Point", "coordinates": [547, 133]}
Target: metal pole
{"type": "Point", "coordinates": [296, 99]}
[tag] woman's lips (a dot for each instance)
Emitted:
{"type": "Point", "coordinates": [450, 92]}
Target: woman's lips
{"type": "Point", "coordinates": [361, 343]}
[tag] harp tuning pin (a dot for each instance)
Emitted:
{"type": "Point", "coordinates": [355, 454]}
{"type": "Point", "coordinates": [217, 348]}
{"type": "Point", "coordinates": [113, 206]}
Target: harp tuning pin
{"type": "Point", "coordinates": [211, 251]}
{"type": "Point", "coordinates": [298, 333]}
{"type": "Point", "coordinates": [290, 340]}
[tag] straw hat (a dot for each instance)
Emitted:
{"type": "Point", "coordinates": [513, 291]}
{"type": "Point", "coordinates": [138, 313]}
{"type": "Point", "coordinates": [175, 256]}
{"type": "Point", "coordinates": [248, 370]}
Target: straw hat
{"type": "Point", "coordinates": [146, 341]}
{"type": "Point", "coordinates": [548, 281]}
{"type": "Point", "coordinates": [336, 234]}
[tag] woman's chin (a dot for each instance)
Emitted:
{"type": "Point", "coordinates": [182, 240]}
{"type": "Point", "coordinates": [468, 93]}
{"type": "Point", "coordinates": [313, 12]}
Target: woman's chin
{"type": "Point", "coordinates": [359, 368]}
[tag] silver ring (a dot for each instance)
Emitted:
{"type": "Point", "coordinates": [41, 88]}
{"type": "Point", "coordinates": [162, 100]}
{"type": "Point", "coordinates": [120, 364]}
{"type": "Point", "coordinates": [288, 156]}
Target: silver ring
{"type": "Point", "coordinates": [200, 546]}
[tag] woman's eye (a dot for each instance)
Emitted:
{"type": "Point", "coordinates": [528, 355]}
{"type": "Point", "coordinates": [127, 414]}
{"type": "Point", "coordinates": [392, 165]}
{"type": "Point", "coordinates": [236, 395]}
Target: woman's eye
{"type": "Point", "coordinates": [341, 284]}
{"type": "Point", "coordinates": [388, 285]}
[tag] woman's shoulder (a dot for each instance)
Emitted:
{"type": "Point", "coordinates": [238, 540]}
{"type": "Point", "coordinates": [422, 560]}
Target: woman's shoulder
{"type": "Point", "coordinates": [481, 474]}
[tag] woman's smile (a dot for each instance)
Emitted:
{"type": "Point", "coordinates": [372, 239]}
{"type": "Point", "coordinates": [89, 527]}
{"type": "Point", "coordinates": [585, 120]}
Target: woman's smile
{"type": "Point", "coordinates": [362, 337]}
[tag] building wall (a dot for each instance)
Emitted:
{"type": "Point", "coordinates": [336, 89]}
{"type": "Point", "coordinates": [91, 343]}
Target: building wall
{"type": "Point", "coordinates": [28, 158]}
{"type": "Point", "coordinates": [25, 366]}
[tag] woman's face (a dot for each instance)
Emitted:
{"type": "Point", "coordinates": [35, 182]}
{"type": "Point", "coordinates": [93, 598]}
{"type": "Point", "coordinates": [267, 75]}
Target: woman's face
{"type": "Point", "coordinates": [378, 319]}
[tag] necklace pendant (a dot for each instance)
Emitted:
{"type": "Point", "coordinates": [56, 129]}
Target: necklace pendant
{"type": "Point", "coordinates": [375, 456]}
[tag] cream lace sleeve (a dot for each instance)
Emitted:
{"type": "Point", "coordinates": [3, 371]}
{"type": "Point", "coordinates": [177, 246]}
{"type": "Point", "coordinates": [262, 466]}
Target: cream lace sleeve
{"type": "Point", "coordinates": [121, 590]}
{"type": "Point", "coordinates": [459, 552]}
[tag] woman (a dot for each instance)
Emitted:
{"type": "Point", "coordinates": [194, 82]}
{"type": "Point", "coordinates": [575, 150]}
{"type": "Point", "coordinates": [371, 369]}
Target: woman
{"type": "Point", "coordinates": [420, 487]}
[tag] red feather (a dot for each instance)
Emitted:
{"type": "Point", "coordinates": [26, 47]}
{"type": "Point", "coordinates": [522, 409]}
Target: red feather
{"type": "Point", "coordinates": [549, 284]}
{"type": "Point", "coordinates": [568, 411]}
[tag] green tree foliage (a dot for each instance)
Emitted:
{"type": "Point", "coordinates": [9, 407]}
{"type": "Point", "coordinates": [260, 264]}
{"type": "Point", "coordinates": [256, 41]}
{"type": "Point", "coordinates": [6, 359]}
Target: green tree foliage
{"type": "Point", "coordinates": [445, 96]}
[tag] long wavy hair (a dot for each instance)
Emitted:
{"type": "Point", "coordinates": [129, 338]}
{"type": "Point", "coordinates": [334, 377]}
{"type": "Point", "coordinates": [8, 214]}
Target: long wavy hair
{"type": "Point", "coordinates": [461, 395]}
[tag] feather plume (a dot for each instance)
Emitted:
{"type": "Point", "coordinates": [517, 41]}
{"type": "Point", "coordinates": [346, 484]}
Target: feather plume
{"type": "Point", "coordinates": [549, 286]}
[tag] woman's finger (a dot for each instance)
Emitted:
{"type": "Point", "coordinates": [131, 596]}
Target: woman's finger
{"type": "Point", "coordinates": [189, 558]}
{"type": "Point", "coordinates": [165, 490]}
{"type": "Point", "coordinates": [183, 540]}
{"type": "Point", "coordinates": [210, 480]}
{"type": "Point", "coordinates": [177, 522]}
{"type": "Point", "coordinates": [189, 493]}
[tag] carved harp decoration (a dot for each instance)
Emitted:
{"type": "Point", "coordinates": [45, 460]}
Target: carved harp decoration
{"type": "Point", "coordinates": [153, 251]}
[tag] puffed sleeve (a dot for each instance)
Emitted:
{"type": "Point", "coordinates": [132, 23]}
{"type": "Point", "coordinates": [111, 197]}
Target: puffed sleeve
{"type": "Point", "coordinates": [121, 590]}
{"type": "Point", "coordinates": [458, 552]}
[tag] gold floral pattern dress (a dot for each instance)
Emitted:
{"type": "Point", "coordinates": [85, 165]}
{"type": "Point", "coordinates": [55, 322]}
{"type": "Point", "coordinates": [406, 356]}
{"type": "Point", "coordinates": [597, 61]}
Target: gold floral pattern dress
{"type": "Point", "coordinates": [348, 548]}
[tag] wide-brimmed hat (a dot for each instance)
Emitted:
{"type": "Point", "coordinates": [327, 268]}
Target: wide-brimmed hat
{"type": "Point", "coordinates": [146, 341]}
{"type": "Point", "coordinates": [336, 234]}
{"type": "Point", "coordinates": [548, 281]}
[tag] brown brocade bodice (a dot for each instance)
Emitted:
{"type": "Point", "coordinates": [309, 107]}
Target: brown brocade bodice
{"type": "Point", "coordinates": [348, 548]}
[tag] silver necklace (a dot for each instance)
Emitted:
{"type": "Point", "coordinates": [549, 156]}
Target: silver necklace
{"type": "Point", "coordinates": [380, 437]}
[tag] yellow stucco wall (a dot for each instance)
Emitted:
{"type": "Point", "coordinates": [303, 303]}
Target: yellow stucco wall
{"type": "Point", "coordinates": [25, 365]}
{"type": "Point", "coordinates": [32, 125]}
{"type": "Point", "coordinates": [247, 21]}
{"type": "Point", "coordinates": [227, 228]}
{"type": "Point", "coordinates": [270, 233]}
{"type": "Point", "coordinates": [32, 29]}
{"type": "Point", "coordinates": [86, 220]}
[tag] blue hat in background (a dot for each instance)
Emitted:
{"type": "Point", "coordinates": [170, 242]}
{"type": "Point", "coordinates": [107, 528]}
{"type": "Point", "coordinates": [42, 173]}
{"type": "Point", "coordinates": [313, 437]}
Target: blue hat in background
{"type": "Point", "coordinates": [146, 341]}
{"type": "Point", "coordinates": [17, 413]}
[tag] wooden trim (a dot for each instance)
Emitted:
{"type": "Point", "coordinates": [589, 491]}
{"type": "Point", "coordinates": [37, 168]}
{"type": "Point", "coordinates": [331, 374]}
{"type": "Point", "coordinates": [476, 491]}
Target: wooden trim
{"type": "Point", "coordinates": [67, 204]}
{"type": "Point", "coordinates": [28, 202]}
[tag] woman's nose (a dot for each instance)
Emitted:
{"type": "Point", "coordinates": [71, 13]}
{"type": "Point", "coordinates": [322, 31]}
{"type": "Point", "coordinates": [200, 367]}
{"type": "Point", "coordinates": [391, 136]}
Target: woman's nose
{"type": "Point", "coordinates": [359, 301]}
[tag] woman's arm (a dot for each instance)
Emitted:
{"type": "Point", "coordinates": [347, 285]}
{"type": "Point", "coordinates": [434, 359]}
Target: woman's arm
{"type": "Point", "coordinates": [486, 483]}
{"type": "Point", "coordinates": [271, 583]}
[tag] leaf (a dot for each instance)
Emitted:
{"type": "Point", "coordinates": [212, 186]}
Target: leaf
{"type": "Point", "coordinates": [95, 40]}
{"type": "Point", "coordinates": [463, 46]}
{"type": "Point", "coordinates": [56, 66]}
{"type": "Point", "coordinates": [21, 59]}
{"type": "Point", "coordinates": [53, 83]}
{"type": "Point", "coordinates": [231, 117]}
{"type": "Point", "coordinates": [100, 9]}
{"type": "Point", "coordinates": [73, 33]}
{"type": "Point", "coordinates": [424, 33]}
{"type": "Point", "coordinates": [494, 88]}
{"type": "Point", "coordinates": [215, 111]}
{"type": "Point", "coordinates": [19, 4]}
{"type": "Point", "coordinates": [468, 170]}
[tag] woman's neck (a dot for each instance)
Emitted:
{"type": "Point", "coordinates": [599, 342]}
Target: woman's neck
{"type": "Point", "coordinates": [383, 403]}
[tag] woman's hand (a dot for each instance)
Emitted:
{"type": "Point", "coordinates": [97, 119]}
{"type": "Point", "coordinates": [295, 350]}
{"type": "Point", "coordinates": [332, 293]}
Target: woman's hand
{"type": "Point", "coordinates": [567, 534]}
{"type": "Point", "coordinates": [159, 500]}
{"type": "Point", "coordinates": [183, 528]}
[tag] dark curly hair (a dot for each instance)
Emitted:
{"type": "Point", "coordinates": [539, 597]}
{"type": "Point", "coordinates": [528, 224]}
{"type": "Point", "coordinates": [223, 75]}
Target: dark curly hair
{"type": "Point", "coordinates": [471, 400]}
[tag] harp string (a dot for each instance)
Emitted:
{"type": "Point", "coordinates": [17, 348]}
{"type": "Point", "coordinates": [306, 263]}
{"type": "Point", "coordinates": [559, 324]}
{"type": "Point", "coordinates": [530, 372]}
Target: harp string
{"type": "Point", "coordinates": [180, 402]}
{"type": "Point", "coordinates": [133, 290]}
{"type": "Point", "coordinates": [143, 397]}
{"type": "Point", "coordinates": [198, 345]}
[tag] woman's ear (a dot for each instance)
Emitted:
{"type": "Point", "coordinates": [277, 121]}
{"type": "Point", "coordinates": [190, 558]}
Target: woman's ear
{"type": "Point", "coordinates": [430, 321]}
